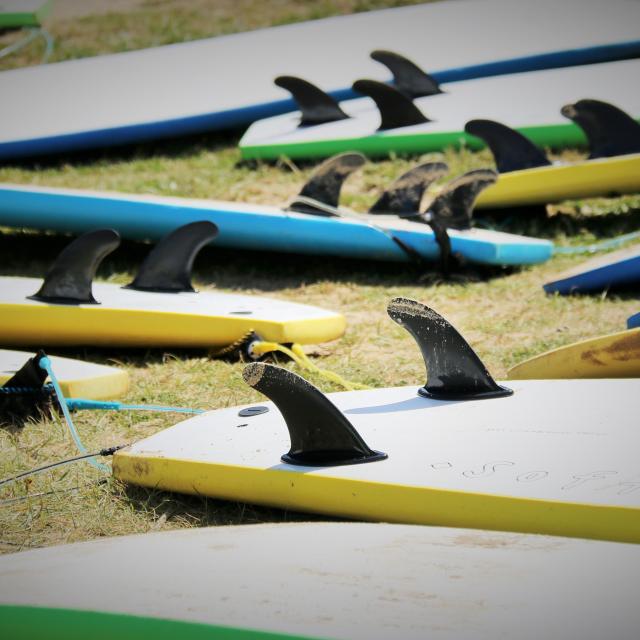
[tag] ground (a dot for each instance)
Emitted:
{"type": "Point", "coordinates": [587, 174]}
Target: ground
{"type": "Point", "coordinates": [503, 313]}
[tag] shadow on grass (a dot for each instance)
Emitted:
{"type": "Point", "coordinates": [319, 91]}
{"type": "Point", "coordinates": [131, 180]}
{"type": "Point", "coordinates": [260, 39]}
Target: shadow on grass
{"type": "Point", "coordinates": [202, 511]}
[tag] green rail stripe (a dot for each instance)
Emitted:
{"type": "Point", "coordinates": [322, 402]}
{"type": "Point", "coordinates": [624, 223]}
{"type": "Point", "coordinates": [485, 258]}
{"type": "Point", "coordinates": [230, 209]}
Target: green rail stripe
{"type": "Point", "coordinates": [44, 623]}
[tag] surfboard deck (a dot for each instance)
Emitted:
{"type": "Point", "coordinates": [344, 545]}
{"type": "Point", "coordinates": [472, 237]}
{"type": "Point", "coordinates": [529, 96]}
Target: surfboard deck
{"type": "Point", "coordinates": [131, 102]}
{"type": "Point", "coordinates": [138, 318]}
{"type": "Point", "coordinates": [616, 355]}
{"type": "Point", "coordinates": [262, 228]}
{"type": "Point", "coordinates": [618, 268]}
{"type": "Point", "coordinates": [494, 464]}
{"type": "Point", "coordinates": [23, 13]}
{"type": "Point", "coordinates": [528, 102]}
{"type": "Point", "coordinates": [77, 379]}
{"type": "Point", "coordinates": [604, 177]}
{"type": "Point", "coordinates": [327, 580]}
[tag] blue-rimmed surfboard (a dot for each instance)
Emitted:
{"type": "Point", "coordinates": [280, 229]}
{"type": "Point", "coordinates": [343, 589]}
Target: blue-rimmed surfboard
{"type": "Point", "coordinates": [633, 321]}
{"type": "Point", "coordinates": [331, 580]}
{"type": "Point", "coordinates": [617, 269]}
{"type": "Point", "coordinates": [392, 230]}
{"type": "Point", "coordinates": [213, 84]}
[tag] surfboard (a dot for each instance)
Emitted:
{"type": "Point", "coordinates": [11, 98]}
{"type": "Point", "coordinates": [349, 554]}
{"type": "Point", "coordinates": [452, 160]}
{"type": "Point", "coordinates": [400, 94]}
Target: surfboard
{"type": "Point", "coordinates": [615, 269]}
{"type": "Point", "coordinates": [317, 228]}
{"type": "Point", "coordinates": [536, 456]}
{"type": "Point", "coordinates": [121, 98]}
{"type": "Point", "coordinates": [528, 177]}
{"type": "Point", "coordinates": [324, 580]}
{"type": "Point", "coordinates": [23, 13]}
{"type": "Point", "coordinates": [159, 308]}
{"type": "Point", "coordinates": [388, 120]}
{"type": "Point", "coordinates": [77, 378]}
{"type": "Point", "coordinates": [616, 355]}
{"type": "Point", "coordinates": [633, 321]}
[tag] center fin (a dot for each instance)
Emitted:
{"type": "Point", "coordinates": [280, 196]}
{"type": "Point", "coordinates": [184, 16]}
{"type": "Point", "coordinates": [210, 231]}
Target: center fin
{"type": "Point", "coordinates": [168, 266]}
{"type": "Point", "coordinates": [320, 433]}
{"type": "Point", "coordinates": [510, 149]}
{"type": "Point", "coordinates": [454, 371]}
{"type": "Point", "coordinates": [453, 206]}
{"type": "Point", "coordinates": [609, 130]}
{"type": "Point", "coordinates": [408, 77]}
{"type": "Point", "coordinates": [404, 195]}
{"type": "Point", "coordinates": [69, 279]}
{"type": "Point", "coordinates": [321, 193]}
{"type": "Point", "coordinates": [316, 106]}
{"type": "Point", "coordinates": [396, 110]}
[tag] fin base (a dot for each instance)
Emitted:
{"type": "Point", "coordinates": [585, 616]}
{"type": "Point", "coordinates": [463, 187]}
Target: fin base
{"type": "Point", "coordinates": [330, 458]}
{"type": "Point", "coordinates": [501, 392]}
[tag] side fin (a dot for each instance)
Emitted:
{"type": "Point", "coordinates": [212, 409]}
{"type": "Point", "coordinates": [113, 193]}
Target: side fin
{"type": "Point", "coordinates": [325, 183]}
{"type": "Point", "coordinates": [69, 278]}
{"type": "Point", "coordinates": [320, 433]}
{"type": "Point", "coordinates": [609, 130]}
{"type": "Point", "coordinates": [408, 77]}
{"type": "Point", "coordinates": [31, 374]}
{"type": "Point", "coordinates": [453, 206]}
{"type": "Point", "coordinates": [169, 264]}
{"type": "Point", "coordinates": [510, 149]}
{"type": "Point", "coordinates": [316, 106]}
{"type": "Point", "coordinates": [396, 110]}
{"type": "Point", "coordinates": [454, 371]}
{"type": "Point", "coordinates": [404, 195]}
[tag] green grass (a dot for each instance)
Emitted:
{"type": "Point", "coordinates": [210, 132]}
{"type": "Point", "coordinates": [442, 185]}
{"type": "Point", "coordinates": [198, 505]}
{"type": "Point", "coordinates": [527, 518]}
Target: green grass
{"type": "Point", "coordinates": [503, 312]}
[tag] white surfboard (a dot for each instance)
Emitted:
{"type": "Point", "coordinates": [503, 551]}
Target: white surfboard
{"type": "Point", "coordinates": [529, 102]}
{"type": "Point", "coordinates": [332, 580]}
{"type": "Point", "coordinates": [77, 378]}
{"type": "Point", "coordinates": [228, 81]}
{"type": "Point", "coordinates": [126, 317]}
{"type": "Point", "coordinates": [538, 456]}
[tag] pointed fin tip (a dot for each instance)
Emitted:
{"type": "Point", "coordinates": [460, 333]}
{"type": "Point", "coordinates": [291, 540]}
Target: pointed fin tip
{"type": "Point", "coordinates": [454, 370]}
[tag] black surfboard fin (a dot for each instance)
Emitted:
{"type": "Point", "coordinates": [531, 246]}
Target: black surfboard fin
{"type": "Point", "coordinates": [320, 195]}
{"type": "Point", "coordinates": [396, 110]}
{"type": "Point", "coordinates": [31, 374]}
{"type": "Point", "coordinates": [510, 149]}
{"type": "Point", "coordinates": [609, 130]}
{"type": "Point", "coordinates": [408, 77]}
{"type": "Point", "coordinates": [316, 106]}
{"type": "Point", "coordinates": [404, 195]}
{"type": "Point", "coordinates": [69, 279]}
{"type": "Point", "coordinates": [454, 371]}
{"type": "Point", "coordinates": [25, 394]}
{"type": "Point", "coordinates": [168, 266]}
{"type": "Point", "coordinates": [320, 433]}
{"type": "Point", "coordinates": [453, 206]}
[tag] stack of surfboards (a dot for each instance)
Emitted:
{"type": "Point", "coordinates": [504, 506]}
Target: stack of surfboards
{"type": "Point", "coordinates": [212, 84]}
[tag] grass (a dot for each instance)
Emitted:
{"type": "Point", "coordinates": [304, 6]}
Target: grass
{"type": "Point", "coordinates": [503, 312]}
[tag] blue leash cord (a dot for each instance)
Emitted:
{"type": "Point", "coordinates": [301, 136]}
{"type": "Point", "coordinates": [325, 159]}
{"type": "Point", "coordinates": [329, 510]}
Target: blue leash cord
{"type": "Point", "coordinates": [45, 363]}
{"type": "Point", "coordinates": [80, 404]}
{"type": "Point", "coordinates": [598, 246]}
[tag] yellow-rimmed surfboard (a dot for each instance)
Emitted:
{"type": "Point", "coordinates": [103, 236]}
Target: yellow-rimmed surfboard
{"type": "Point", "coordinates": [553, 457]}
{"type": "Point", "coordinates": [527, 177]}
{"type": "Point", "coordinates": [159, 308]}
{"type": "Point", "coordinates": [616, 355]}
{"type": "Point", "coordinates": [77, 378]}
